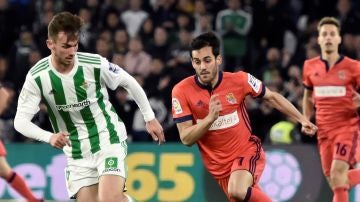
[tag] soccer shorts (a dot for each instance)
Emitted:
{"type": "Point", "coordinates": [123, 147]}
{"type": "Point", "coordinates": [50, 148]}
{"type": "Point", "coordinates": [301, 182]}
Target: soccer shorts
{"type": "Point", "coordinates": [340, 147]}
{"type": "Point", "coordinates": [84, 172]}
{"type": "Point", "coordinates": [253, 160]}
{"type": "Point", "coordinates": [2, 149]}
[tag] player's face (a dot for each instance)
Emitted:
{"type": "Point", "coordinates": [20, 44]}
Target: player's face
{"type": "Point", "coordinates": [206, 65]}
{"type": "Point", "coordinates": [63, 49]}
{"type": "Point", "coordinates": [329, 38]}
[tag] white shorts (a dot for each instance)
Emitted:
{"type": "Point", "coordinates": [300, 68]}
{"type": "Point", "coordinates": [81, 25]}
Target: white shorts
{"type": "Point", "coordinates": [86, 171]}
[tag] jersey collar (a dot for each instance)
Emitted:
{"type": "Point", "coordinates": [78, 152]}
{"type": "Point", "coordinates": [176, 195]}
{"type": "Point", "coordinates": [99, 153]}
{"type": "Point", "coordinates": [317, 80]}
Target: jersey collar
{"type": "Point", "coordinates": [327, 64]}
{"type": "Point", "coordinates": [207, 87]}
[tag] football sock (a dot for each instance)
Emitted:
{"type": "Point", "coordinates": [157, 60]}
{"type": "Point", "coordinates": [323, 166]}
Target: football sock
{"type": "Point", "coordinates": [129, 198]}
{"type": "Point", "coordinates": [341, 194]}
{"type": "Point", "coordinates": [354, 177]}
{"type": "Point", "coordinates": [18, 183]}
{"type": "Point", "coordinates": [254, 194]}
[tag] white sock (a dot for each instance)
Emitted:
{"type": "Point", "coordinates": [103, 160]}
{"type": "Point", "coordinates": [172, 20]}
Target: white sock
{"type": "Point", "coordinates": [130, 199]}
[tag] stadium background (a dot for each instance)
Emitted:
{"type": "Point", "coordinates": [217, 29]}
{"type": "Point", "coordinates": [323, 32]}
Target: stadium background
{"type": "Point", "coordinates": [268, 38]}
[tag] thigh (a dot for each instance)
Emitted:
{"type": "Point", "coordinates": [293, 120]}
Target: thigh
{"type": "Point", "coordinates": [345, 147]}
{"type": "Point", "coordinates": [326, 155]}
{"type": "Point", "coordinates": [88, 194]}
{"type": "Point", "coordinates": [111, 160]}
{"type": "Point", "coordinates": [251, 160]}
{"type": "Point", "coordinates": [80, 173]}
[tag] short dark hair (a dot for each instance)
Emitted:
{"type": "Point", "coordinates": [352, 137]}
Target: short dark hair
{"type": "Point", "coordinates": [329, 21]}
{"type": "Point", "coordinates": [206, 39]}
{"type": "Point", "coordinates": [66, 22]}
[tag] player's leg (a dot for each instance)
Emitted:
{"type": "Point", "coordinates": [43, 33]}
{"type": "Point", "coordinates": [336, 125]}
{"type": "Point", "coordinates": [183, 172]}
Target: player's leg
{"type": "Point", "coordinates": [326, 156]}
{"type": "Point", "coordinates": [354, 172]}
{"type": "Point", "coordinates": [112, 171]}
{"type": "Point", "coordinates": [82, 180]}
{"type": "Point", "coordinates": [88, 194]}
{"type": "Point", "coordinates": [246, 172]}
{"type": "Point", "coordinates": [13, 179]}
{"type": "Point", "coordinates": [241, 187]}
{"type": "Point", "coordinates": [109, 189]}
{"type": "Point", "coordinates": [344, 147]}
{"type": "Point", "coordinates": [339, 180]}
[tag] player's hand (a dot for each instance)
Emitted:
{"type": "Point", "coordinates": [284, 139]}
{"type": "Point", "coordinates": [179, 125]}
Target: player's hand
{"type": "Point", "coordinates": [156, 131]}
{"type": "Point", "coordinates": [214, 107]}
{"type": "Point", "coordinates": [308, 128]}
{"type": "Point", "coordinates": [356, 98]}
{"type": "Point", "coordinates": [60, 139]}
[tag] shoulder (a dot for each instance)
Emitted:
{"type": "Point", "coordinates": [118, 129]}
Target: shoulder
{"type": "Point", "coordinates": [349, 61]}
{"type": "Point", "coordinates": [184, 84]}
{"type": "Point", "coordinates": [313, 61]}
{"type": "Point", "coordinates": [91, 59]}
{"type": "Point", "coordinates": [41, 66]}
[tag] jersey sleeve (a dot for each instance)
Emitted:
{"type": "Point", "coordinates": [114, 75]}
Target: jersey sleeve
{"type": "Point", "coordinates": [253, 86]}
{"type": "Point", "coordinates": [115, 76]}
{"type": "Point", "coordinates": [111, 74]}
{"type": "Point", "coordinates": [306, 76]}
{"type": "Point", "coordinates": [29, 98]}
{"type": "Point", "coordinates": [180, 107]}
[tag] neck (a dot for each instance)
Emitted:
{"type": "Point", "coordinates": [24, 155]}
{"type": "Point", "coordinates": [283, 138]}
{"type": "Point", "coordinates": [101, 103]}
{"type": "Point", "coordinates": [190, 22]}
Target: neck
{"type": "Point", "coordinates": [331, 58]}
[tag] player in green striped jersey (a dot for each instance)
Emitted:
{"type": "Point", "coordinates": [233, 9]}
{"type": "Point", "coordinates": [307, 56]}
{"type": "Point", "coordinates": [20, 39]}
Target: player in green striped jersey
{"type": "Point", "coordinates": [73, 86]}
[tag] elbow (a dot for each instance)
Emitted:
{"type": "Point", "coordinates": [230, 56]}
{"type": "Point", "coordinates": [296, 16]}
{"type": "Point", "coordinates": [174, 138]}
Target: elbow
{"type": "Point", "coordinates": [186, 142]}
{"type": "Point", "coordinates": [19, 124]}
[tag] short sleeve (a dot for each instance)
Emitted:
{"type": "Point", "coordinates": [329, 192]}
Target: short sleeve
{"type": "Point", "coordinates": [111, 74]}
{"type": "Point", "coordinates": [180, 107]}
{"type": "Point", "coordinates": [253, 86]}
{"type": "Point", "coordinates": [306, 76]}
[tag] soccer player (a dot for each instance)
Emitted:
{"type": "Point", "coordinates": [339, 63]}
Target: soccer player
{"type": "Point", "coordinates": [330, 82]}
{"type": "Point", "coordinates": [73, 86]}
{"type": "Point", "coordinates": [209, 110]}
{"type": "Point", "coordinates": [6, 172]}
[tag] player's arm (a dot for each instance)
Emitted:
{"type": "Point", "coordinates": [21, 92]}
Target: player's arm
{"type": "Point", "coordinates": [308, 106]}
{"type": "Point", "coordinates": [283, 105]}
{"type": "Point", "coordinates": [114, 76]}
{"type": "Point", "coordinates": [190, 133]}
{"type": "Point", "coordinates": [28, 106]}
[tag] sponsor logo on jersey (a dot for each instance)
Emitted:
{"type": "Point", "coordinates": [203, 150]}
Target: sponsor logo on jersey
{"type": "Point", "coordinates": [74, 107]}
{"type": "Point", "coordinates": [254, 83]}
{"type": "Point", "coordinates": [176, 106]}
{"type": "Point", "coordinates": [224, 121]}
{"type": "Point", "coordinates": [111, 164]}
{"type": "Point", "coordinates": [231, 98]}
{"type": "Point", "coordinates": [329, 91]}
{"type": "Point", "coordinates": [114, 68]}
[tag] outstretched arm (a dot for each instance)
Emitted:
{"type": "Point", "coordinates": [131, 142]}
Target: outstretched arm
{"type": "Point", "coordinates": [283, 105]}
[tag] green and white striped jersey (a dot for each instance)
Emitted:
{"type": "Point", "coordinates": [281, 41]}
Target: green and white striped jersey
{"type": "Point", "coordinates": [78, 101]}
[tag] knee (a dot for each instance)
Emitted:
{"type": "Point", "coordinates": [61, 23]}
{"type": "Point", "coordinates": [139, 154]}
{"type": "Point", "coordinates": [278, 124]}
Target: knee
{"type": "Point", "coordinates": [338, 177]}
{"type": "Point", "coordinates": [238, 193]}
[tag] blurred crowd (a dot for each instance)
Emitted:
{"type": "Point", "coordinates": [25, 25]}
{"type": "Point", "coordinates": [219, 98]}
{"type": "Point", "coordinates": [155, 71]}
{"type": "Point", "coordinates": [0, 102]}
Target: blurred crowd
{"type": "Point", "coordinates": [149, 38]}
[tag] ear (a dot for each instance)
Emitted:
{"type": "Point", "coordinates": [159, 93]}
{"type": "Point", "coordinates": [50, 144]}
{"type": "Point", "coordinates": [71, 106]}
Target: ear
{"type": "Point", "coordinates": [219, 59]}
{"type": "Point", "coordinates": [50, 43]}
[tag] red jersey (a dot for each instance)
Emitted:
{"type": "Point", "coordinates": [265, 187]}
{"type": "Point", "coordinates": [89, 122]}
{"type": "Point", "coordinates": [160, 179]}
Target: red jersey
{"type": "Point", "coordinates": [332, 93]}
{"type": "Point", "coordinates": [228, 136]}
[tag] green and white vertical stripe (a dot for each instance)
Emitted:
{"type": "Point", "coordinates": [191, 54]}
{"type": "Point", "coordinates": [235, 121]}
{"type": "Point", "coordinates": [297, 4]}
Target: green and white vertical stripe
{"type": "Point", "coordinates": [78, 103]}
